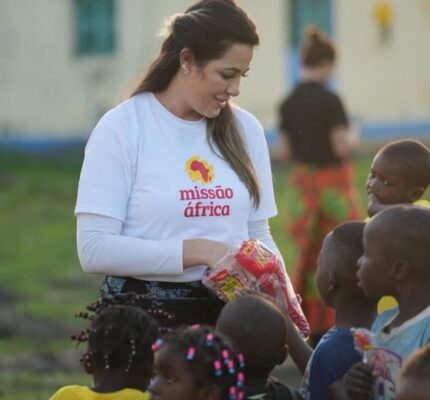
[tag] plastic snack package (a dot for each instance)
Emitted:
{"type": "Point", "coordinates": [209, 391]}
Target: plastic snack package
{"type": "Point", "coordinates": [227, 276]}
{"type": "Point", "coordinates": [268, 268]}
{"type": "Point", "coordinates": [253, 257]}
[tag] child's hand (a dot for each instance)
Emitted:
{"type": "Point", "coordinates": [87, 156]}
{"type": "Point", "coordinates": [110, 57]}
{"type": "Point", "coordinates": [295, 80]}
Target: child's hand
{"type": "Point", "coordinates": [358, 381]}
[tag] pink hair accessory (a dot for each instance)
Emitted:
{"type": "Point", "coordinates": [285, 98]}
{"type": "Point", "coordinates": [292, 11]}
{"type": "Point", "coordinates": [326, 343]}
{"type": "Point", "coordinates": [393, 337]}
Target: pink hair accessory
{"type": "Point", "coordinates": [230, 366]}
{"type": "Point", "coordinates": [156, 346]}
{"type": "Point", "coordinates": [191, 353]}
{"type": "Point", "coordinates": [217, 366]}
{"type": "Point", "coordinates": [209, 339]}
{"type": "Point", "coordinates": [241, 359]}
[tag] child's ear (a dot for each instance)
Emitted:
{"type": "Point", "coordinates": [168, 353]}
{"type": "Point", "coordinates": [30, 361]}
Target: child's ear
{"type": "Point", "coordinates": [416, 193]}
{"type": "Point", "coordinates": [212, 392]}
{"type": "Point", "coordinates": [333, 283]}
{"type": "Point", "coordinates": [402, 270]}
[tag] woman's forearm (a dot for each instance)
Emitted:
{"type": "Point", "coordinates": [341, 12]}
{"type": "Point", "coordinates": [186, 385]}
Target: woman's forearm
{"type": "Point", "coordinates": [103, 250]}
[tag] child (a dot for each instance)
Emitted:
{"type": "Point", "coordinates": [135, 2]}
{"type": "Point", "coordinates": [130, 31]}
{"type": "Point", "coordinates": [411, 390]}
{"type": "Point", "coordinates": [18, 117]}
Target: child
{"type": "Point", "coordinates": [257, 327]}
{"type": "Point", "coordinates": [118, 355]}
{"type": "Point", "coordinates": [337, 283]}
{"type": "Point", "coordinates": [414, 377]}
{"type": "Point", "coordinates": [396, 262]}
{"type": "Point", "coordinates": [196, 363]}
{"type": "Point", "coordinates": [399, 175]}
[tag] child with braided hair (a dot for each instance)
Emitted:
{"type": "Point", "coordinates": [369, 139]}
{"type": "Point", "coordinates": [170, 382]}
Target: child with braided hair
{"type": "Point", "coordinates": [196, 363]}
{"type": "Point", "coordinates": [118, 355]}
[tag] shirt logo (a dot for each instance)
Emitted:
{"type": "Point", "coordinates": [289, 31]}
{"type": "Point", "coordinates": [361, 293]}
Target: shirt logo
{"type": "Point", "coordinates": [200, 170]}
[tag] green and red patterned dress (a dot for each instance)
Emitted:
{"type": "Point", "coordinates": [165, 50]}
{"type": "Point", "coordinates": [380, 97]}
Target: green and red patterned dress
{"type": "Point", "coordinates": [322, 199]}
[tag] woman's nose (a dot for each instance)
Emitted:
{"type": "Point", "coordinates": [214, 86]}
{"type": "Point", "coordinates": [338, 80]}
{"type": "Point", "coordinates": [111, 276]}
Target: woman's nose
{"type": "Point", "coordinates": [234, 88]}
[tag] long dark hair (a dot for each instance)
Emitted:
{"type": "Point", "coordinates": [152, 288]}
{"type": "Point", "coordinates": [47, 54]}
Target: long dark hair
{"type": "Point", "coordinates": [209, 28]}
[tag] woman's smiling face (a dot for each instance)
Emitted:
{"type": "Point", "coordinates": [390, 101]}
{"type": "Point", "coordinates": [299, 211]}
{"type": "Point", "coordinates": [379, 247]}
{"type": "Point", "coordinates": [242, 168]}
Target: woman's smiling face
{"type": "Point", "coordinates": [209, 88]}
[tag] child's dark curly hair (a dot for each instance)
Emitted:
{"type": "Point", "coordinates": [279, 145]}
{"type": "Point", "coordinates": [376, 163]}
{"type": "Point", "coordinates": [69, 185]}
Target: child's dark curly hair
{"type": "Point", "coordinates": [120, 335]}
{"type": "Point", "coordinates": [210, 357]}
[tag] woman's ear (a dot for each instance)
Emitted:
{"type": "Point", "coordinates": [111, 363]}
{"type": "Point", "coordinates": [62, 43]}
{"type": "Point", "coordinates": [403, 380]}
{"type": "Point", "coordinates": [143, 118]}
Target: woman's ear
{"type": "Point", "coordinates": [186, 60]}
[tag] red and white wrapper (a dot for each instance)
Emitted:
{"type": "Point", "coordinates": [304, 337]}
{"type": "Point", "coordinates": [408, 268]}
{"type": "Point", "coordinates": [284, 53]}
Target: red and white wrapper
{"type": "Point", "coordinates": [254, 258]}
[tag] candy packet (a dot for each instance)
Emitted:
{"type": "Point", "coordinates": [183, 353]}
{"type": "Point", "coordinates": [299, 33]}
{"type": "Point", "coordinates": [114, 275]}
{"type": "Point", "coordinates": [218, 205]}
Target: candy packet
{"type": "Point", "coordinates": [253, 259]}
{"type": "Point", "coordinates": [362, 342]}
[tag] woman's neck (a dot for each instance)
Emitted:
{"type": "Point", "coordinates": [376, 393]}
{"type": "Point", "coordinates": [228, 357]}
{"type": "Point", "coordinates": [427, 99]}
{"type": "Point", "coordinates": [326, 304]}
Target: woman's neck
{"type": "Point", "coordinates": [313, 75]}
{"type": "Point", "coordinates": [173, 100]}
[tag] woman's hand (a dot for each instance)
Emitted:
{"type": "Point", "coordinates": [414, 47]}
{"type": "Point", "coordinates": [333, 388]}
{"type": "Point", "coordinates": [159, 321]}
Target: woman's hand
{"type": "Point", "coordinates": [203, 251]}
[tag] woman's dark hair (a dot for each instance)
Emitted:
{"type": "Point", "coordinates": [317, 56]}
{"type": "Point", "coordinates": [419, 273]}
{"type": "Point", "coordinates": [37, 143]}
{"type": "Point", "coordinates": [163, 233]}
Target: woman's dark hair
{"type": "Point", "coordinates": [208, 29]}
{"type": "Point", "coordinates": [317, 48]}
{"type": "Point", "coordinates": [120, 335]}
{"type": "Point", "coordinates": [214, 360]}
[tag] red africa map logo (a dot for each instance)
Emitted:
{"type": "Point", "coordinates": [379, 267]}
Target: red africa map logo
{"type": "Point", "coordinates": [200, 170]}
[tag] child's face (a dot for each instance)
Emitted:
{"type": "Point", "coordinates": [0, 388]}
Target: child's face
{"type": "Point", "coordinates": [386, 182]}
{"type": "Point", "coordinates": [413, 389]}
{"type": "Point", "coordinates": [373, 267]}
{"type": "Point", "coordinates": [172, 379]}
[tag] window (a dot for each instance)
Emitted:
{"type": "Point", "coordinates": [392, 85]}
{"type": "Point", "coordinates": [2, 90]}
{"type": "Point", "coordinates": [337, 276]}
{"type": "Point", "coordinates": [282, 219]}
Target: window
{"type": "Point", "coordinates": [305, 12]}
{"type": "Point", "coordinates": [94, 26]}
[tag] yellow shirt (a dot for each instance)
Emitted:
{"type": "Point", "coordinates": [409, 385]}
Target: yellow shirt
{"type": "Point", "coordinates": [387, 301]}
{"type": "Point", "coordinates": [75, 392]}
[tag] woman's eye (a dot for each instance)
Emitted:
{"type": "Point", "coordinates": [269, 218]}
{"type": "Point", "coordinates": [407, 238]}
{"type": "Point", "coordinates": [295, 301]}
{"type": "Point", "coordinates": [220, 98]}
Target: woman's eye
{"type": "Point", "coordinates": [386, 182]}
{"type": "Point", "coordinates": [227, 76]}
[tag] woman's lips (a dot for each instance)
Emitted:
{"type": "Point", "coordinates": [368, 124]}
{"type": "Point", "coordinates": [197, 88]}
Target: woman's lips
{"type": "Point", "coordinates": [222, 101]}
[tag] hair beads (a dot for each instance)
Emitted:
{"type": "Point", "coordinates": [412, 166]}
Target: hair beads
{"type": "Point", "coordinates": [209, 356]}
{"type": "Point", "coordinates": [115, 320]}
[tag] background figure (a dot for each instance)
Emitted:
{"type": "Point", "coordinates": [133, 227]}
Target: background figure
{"type": "Point", "coordinates": [316, 137]}
{"type": "Point", "coordinates": [175, 175]}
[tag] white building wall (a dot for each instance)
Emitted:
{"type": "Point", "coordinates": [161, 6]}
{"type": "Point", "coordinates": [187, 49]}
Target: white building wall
{"type": "Point", "coordinates": [391, 81]}
{"type": "Point", "coordinates": [46, 90]}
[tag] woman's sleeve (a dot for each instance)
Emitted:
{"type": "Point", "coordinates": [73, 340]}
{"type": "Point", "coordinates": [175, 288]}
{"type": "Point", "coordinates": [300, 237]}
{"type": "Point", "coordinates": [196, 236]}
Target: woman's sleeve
{"type": "Point", "coordinates": [261, 230]}
{"type": "Point", "coordinates": [103, 250]}
{"type": "Point", "coordinates": [105, 186]}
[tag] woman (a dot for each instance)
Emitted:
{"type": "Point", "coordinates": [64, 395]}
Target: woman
{"type": "Point", "coordinates": [316, 137]}
{"type": "Point", "coordinates": [175, 175]}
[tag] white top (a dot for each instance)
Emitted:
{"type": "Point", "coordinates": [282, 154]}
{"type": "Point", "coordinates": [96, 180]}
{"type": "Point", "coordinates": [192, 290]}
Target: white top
{"type": "Point", "coordinates": [156, 174]}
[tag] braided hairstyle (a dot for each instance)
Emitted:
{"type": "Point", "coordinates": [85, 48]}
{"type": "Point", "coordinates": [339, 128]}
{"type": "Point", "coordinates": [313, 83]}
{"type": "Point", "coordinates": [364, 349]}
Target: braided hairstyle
{"type": "Point", "coordinates": [120, 334]}
{"type": "Point", "coordinates": [210, 357]}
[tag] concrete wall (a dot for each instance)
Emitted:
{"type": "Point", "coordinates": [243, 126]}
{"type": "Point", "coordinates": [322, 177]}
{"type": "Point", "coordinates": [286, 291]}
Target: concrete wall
{"type": "Point", "coordinates": [385, 81]}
